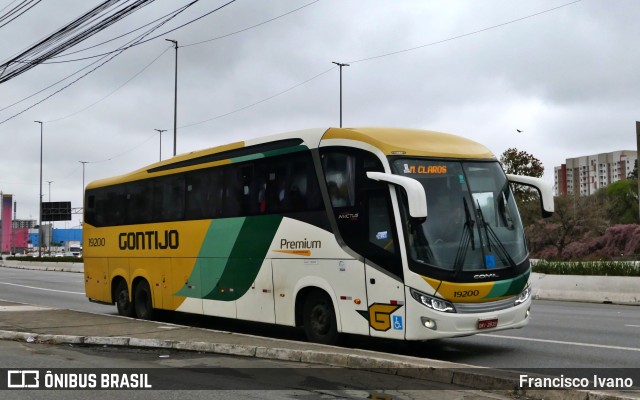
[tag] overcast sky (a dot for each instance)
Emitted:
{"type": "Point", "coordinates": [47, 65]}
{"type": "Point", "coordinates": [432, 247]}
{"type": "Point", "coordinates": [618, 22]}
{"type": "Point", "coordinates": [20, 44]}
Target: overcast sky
{"type": "Point", "coordinates": [566, 78]}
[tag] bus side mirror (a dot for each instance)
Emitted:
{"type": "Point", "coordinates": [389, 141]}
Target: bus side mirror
{"type": "Point", "coordinates": [544, 189]}
{"type": "Point", "coordinates": [415, 191]}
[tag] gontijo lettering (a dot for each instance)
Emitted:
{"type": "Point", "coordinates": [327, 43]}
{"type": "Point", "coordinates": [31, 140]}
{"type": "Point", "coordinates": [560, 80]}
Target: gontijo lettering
{"type": "Point", "coordinates": [149, 240]}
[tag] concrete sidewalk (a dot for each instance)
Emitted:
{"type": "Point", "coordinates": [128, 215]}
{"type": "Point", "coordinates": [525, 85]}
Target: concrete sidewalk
{"type": "Point", "coordinates": [34, 324]}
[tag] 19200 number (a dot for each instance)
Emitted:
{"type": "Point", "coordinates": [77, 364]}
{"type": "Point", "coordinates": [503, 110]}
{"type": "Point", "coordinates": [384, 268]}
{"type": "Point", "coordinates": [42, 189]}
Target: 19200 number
{"type": "Point", "coordinates": [96, 242]}
{"type": "Point", "coordinates": [466, 293]}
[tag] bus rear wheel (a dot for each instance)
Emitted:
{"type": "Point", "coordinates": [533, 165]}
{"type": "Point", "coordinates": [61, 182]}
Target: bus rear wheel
{"type": "Point", "coordinates": [320, 319]}
{"type": "Point", "coordinates": [121, 295]}
{"type": "Point", "coordinates": [143, 303]}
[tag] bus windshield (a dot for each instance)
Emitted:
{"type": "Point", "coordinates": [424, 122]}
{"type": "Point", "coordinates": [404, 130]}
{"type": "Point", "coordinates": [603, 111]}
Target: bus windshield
{"type": "Point", "coordinates": [472, 223]}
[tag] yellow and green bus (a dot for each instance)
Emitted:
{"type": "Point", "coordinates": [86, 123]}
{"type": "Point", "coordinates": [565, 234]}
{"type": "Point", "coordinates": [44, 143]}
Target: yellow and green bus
{"type": "Point", "coordinates": [386, 232]}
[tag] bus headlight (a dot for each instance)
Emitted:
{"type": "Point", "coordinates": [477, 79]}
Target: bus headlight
{"type": "Point", "coordinates": [523, 296]}
{"type": "Point", "coordinates": [433, 303]}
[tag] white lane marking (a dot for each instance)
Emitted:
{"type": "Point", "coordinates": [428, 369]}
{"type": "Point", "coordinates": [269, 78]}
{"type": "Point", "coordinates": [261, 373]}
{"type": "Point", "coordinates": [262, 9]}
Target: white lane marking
{"type": "Point", "coordinates": [633, 326]}
{"type": "Point", "coordinates": [602, 346]}
{"type": "Point", "coordinates": [23, 308]}
{"type": "Point", "coordinates": [39, 288]}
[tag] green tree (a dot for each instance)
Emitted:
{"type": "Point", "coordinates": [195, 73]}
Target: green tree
{"type": "Point", "coordinates": [622, 202]}
{"type": "Point", "coordinates": [519, 162]}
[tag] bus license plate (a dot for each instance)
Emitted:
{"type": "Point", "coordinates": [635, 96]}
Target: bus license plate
{"type": "Point", "coordinates": [487, 323]}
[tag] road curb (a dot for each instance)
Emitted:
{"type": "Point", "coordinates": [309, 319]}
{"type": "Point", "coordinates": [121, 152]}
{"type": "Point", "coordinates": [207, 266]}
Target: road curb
{"type": "Point", "coordinates": [475, 378]}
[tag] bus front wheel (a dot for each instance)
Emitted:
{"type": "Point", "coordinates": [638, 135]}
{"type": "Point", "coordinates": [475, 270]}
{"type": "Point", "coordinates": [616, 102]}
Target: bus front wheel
{"type": "Point", "coordinates": [320, 319]}
{"type": "Point", "coordinates": [125, 307]}
{"type": "Point", "coordinates": [142, 301]}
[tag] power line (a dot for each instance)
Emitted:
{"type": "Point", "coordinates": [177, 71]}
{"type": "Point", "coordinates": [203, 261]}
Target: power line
{"type": "Point", "coordinates": [188, 45]}
{"type": "Point", "coordinates": [376, 57]}
{"type": "Point", "coordinates": [67, 37]}
{"type": "Point", "coordinates": [463, 35]}
{"type": "Point", "coordinates": [144, 41]}
{"type": "Point", "coordinates": [177, 11]}
{"type": "Point", "coordinates": [261, 101]}
{"type": "Point", "coordinates": [107, 59]}
{"type": "Point", "coordinates": [17, 9]}
{"type": "Point", "coordinates": [250, 27]}
{"type": "Point", "coordinates": [113, 91]}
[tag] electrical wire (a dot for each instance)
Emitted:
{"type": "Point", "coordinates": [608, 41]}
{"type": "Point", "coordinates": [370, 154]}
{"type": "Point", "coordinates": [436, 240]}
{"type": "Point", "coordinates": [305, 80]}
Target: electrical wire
{"type": "Point", "coordinates": [380, 56]}
{"type": "Point", "coordinates": [463, 35]}
{"type": "Point", "coordinates": [70, 35]}
{"type": "Point", "coordinates": [107, 59]}
{"type": "Point", "coordinates": [144, 41]}
{"type": "Point", "coordinates": [250, 27]}
{"type": "Point", "coordinates": [17, 9]}
{"type": "Point", "coordinates": [124, 34]}
{"type": "Point", "coordinates": [113, 91]}
{"type": "Point", "coordinates": [188, 45]}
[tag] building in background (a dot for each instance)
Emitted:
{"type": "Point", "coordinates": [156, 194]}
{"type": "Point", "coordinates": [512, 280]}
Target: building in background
{"type": "Point", "coordinates": [585, 175]}
{"type": "Point", "coordinates": [58, 236]}
{"type": "Point", "coordinates": [5, 225]}
{"type": "Point", "coordinates": [25, 223]}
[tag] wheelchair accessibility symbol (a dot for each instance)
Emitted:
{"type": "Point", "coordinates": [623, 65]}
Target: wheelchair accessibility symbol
{"type": "Point", "coordinates": [397, 322]}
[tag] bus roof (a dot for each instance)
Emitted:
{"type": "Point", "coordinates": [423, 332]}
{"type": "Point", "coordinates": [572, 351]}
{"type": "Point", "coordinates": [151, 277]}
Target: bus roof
{"type": "Point", "coordinates": [391, 141]}
{"type": "Point", "coordinates": [413, 142]}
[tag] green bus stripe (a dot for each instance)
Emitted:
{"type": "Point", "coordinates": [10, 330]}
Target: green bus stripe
{"type": "Point", "coordinates": [212, 259]}
{"type": "Point", "coordinates": [509, 287]}
{"type": "Point", "coordinates": [271, 153]}
{"type": "Point", "coordinates": [246, 257]}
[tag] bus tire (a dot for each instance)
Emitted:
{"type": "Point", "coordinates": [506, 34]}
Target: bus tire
{"type": "Point", "coordinates": [319, 318]}
{"type": "Point", "coordinates": [143, 302]}
{"type": "Point", "coordinates": [121, 295]}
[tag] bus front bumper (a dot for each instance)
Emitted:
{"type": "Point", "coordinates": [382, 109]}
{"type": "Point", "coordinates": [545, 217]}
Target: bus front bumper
{"type": "Point", "coordinates": [427, 324]}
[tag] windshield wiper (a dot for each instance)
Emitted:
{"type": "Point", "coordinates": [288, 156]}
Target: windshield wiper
{"type": "Point", "coordinates": [467, 236]}
{"type": "Point", "coordinates": [504, 255]}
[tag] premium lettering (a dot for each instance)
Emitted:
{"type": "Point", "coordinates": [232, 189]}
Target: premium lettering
{"type": "Point", "coordinates": [149, 240]}
{"type": "Point", "coordinates": [300, 244]}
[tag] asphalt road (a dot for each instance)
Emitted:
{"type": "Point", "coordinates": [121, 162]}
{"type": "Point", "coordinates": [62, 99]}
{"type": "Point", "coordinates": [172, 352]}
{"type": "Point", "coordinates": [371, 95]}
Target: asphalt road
{"type": "Point", "coordinates": [194, 375]}
{"type": "Point", "coordinates": [560, 334]}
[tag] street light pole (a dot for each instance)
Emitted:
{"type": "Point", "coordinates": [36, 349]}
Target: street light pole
{"type": "Point", "coordinates": [340, 65]}
{"type": "Point", "coordinates": [175, 99]}
{"type": "Point", "coordinates": [40, 198]}
{"type": "Point", "coordinates": [49, 182]}
{"type": "Point", "coordinates": [50, 229]}
{"type": "Point", "coordinates": [83, 164]}
{"type": "Point", "coordinates": [160, 132]}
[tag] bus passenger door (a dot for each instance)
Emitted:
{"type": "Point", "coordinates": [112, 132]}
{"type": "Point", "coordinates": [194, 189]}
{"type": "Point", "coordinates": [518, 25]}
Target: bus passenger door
{"type": "Point", "coordinates": [365, 219]}
{"type": "Point", "coordinates": [383, 268]}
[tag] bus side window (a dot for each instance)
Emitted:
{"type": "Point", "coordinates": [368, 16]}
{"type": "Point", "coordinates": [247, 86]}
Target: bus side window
{"type": "Point", "coordinates": [339, 172]}
{"type": "Point", "coordinates": [168, 198]}
{"type": "Point", "coordinates": [362, 206]}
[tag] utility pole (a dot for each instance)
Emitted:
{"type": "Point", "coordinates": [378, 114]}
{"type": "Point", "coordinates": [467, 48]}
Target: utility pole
{"type": "Point", "coordinates": [51, 222]}
{"type": "Point", "coordinates": [83, 164]}
{"type": "Point", "coordinates": [160, 132]}
{"type": "Point", "coordinates": [40, 198]}
{"type": "Point", "coordinates": [340, 65]}
{"type": "Point", "coordinates": [175, 99]}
